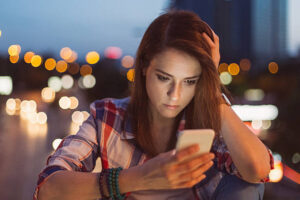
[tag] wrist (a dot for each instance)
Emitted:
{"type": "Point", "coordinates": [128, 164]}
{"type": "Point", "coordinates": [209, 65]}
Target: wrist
{"type": "Point", "coordinates": [130, 180]}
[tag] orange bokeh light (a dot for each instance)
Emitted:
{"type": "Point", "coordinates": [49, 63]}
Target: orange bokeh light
{"type": "Point", "coordinates": [28, 56]}
{"type": "Point", "coordinates": [85, 70]}
{"type": "Point", "coordinates": [61, 66]}
{"type": "Point", "coordinates": [50, 64]}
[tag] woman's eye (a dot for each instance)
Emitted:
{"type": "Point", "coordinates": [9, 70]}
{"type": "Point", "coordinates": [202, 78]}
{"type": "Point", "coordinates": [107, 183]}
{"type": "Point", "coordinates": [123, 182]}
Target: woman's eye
{"type": "Point", "coordinates": [162, 78]}
{"type": "Point", "coordinates": [191, 82]}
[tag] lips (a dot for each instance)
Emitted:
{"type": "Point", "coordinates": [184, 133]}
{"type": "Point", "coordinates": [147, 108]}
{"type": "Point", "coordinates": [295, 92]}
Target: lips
{"type": "Point", "coordinates": [171, 106]}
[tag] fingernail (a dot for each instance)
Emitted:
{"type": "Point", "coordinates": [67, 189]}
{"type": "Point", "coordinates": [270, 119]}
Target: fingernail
{"type": "Point", "coordinates": [173, 152]}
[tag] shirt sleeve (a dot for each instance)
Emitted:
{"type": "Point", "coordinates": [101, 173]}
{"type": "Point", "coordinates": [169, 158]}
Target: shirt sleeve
{"type": "Point", "coordinates": [225, 163]}
{"type": "Point", "coordinates": [75, 152]}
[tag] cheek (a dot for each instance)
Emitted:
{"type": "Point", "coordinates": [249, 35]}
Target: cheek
{"type": "Point", "coordinates": [188, 94]}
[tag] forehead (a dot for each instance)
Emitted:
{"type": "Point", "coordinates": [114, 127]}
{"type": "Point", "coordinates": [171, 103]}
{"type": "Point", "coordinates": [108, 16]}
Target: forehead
{"type": "Point", "coordinates": [177, 63]}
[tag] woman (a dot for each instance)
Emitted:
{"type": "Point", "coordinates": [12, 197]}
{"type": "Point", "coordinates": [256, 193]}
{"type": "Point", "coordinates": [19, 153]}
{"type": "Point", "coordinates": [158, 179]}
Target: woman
{"type": "Point", "coordinates": [176, 87]}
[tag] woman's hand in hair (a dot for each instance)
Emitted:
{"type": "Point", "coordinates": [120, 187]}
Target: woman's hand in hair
{"type": "Point", "coordinates": [172, 170]}
{"type": "Point", "coordinates": [215, 47]}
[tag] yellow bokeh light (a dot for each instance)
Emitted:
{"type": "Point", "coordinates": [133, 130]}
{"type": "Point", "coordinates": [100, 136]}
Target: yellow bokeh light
{"type": "Point", "coordinates": [28, 56]}
{"type": "Point", "coordinates": [276, 174]}
{"type": "Point", "coordinates": [64, 102]}
{"type": "Point", "coordinates": [77, 117]}
{"type": "Point", "coordinates": [50, 64]}
{"type": "Point", "coordinates": [14, 59]}
{"type": "Point", "coordinates": [0, 33]}
{"type": "Point", "coordinates": [223, 67]}
{"type": "Point", "coordinates": [245, 64]}
{"type": "Point", "coordinates": [92, 57]}
{"type": "Point", "coordinates": [41, 118]}
{"type": "Point", "coordinates": [66, 53]}
{"type": "Point", "coordinates": [127, 61]}
{"type": "Point", "coordinates": [74, 102]}
{"type": "Point", "coordinates": [36, 61]}
{"type": "Point", "coordinates": [130, 75]}
{"type": "Point", "coordinates": [48, 94]}
{"type": "Point", "coordinates": [86, 70]}
{"type": "Point", "coordinates": [73, 68]}
{"type": "Point", "coordinates": [234, 69]}
{"type": "Point", "coordinates": [14, 50]}
{"type": "Point", "coordinates": [273, 67]}
{"type": "Point", "coordinates": [11, 104]}
{"type": "Point", "coordinates": [61, 66]}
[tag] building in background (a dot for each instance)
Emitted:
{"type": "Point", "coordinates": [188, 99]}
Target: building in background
{"type": "Point", "coordinates": [251, 29]}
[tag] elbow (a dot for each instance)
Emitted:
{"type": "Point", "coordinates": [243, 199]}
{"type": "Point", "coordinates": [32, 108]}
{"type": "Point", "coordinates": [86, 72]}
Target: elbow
{"type": "Point", "coordinates": [44, 192]}
{"type": "Point", "coordinates": [257, 173]}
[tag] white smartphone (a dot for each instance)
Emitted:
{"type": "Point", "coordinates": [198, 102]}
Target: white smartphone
{"type": "Point", "coordinates": [202, 137]}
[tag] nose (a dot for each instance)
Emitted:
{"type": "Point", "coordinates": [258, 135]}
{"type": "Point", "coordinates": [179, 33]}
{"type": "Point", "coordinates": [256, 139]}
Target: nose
{"type": "Point", "coordinates": [174, 91]}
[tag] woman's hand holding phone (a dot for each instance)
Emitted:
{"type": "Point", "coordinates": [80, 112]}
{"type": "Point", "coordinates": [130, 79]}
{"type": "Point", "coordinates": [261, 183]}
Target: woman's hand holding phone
{"type": "Point", "coordinates": [172, 170]}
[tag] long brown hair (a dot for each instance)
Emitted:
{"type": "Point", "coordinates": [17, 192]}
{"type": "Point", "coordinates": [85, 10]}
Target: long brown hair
{"type": "Point", "coordinates": [181, 30]}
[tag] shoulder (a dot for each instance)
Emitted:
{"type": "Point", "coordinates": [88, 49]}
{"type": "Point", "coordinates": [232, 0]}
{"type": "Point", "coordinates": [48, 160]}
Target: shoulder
{"type": "Point", "coordinates": [115, 106]}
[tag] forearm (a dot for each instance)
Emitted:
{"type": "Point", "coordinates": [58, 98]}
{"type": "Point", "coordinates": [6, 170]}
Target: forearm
{"type": "Point", "coordinates": [83, 185]}
{"type": "Point", "coordinates": [248, 153]}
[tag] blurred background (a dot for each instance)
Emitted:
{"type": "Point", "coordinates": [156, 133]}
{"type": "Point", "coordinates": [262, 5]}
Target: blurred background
{"type": "Point", "coordinates": [56, 57]}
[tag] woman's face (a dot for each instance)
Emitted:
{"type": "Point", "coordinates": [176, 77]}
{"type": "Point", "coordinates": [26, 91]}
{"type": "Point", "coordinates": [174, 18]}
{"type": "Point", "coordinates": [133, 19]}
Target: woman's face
{"type": "Point", "coordinates": [171, 80]}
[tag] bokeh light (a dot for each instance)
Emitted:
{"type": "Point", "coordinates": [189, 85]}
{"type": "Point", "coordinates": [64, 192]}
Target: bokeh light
{"type": "Point", "coordinates": [67, 81]}
{"type": "Point", "coordinates": [273, 67]}
{"type": "Point", "coordinates": [6, 85]}
{"type": "Point", "coordinates": [65, 53]}
{"type": "Point", "coordinates": [113, 52]}
{"type": "Point", "coordinates": [296, 158]}
{"type": "Point", "coordinates": [127, 61]}
{"type": "Point", "coordinates": [74, 102]}
{"type": "Point", "coordinates": [86, 70]}
{"type": "Point", "coordinates": [54, 82]}
{"type": "Point", "coordinates": [64, 102]}
{"type": "Point", "coordinates": [56, 143]}
{"type": "Point", "coordinates": [254, 94]}
{"type": "Point", "coordinates": [50, 64]}
{"type": "Point", "coordinates": [245, 64]}
{"type": "Point", "coordinates": [61, 66]}
{"type": "Point", "coordinates": [225, 78]}
{"type": "Point", "coordinates": [73, 68]}
{"type": "Point", "coordinates": [48, 94]}
{"type": "Point", "coordinates": [72, 58]}
{"type": "Point", "coordinates": [77, 117]}
{"type": "Point", "coordinates": [14, 59]}
{"type": "Point", "coordinates": [89, 81]}
{"type": "Point", "coordinates": [28, 56]}
{"type": "Point", "coordinates": [36, 61]}
{"type": "Point", "coordinates": [14, 50]}
{"type": "Point", "coordinates": [41, 118]}
{"type": "Point", "coordinates": [130, 75]}
{"type": "Point", "coordinates": [11, 104]}
{"type": "Point", "coordinates": [223, 67]}
{"type": "Point", "coordinates": [276, 174]}
{"type": "Point", "coordinates": [233, 69]}
{"type": "Point", "coordinates": [92, 57]}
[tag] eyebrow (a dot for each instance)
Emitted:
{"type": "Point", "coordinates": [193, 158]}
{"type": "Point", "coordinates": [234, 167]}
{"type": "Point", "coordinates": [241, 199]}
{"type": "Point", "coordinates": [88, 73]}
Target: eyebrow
{"type": "Point", "coordinates": [161, 71]}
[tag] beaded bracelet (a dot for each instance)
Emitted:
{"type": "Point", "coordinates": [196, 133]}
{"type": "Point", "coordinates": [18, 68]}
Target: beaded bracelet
{"type": "Point", "coordinates": [109, 183]}
{"type": "Point", "coordinates": [118, 194]}
{"type": "Point", "coordinates": [101, 183]}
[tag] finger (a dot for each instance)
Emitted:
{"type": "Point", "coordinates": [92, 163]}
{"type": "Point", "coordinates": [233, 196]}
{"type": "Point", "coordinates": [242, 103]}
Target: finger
{"type": "Point", "coordinates": [186, 152]}
{"type": "Point", "coordinates": [192, 175]}
{"type": "Point", "coordinates": [189, 184]}
{"type": "Point", "coordinates": [208, 40]}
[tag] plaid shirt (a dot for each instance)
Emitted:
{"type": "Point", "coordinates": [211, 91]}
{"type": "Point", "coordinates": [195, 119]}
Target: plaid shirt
{"type": "Point", "coordinates": [101, 136]}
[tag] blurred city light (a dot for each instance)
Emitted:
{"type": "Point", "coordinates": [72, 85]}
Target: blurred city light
{"type": "Point", "coordinates": [54, 82]}
{"type": "Point", "coordinates": [296, 158]}
{"type": "Point", "coordinates": [113, 52]}
{"type": "Point", "coordinates": [41, 118]}
{"type": "Point", "coordinates": [225, 78]}
{"type": "Point", "coordinates": [266, 124]}
{"type": "Point", "coordinates": [80, 82]}
{"type": "Point", "coordinates": [56, 143]}
{"type": "Point", "coordinates": [14, 50]}
{"type": "Point", "coordinates": [254, 94]}
{"type": "Point", "coordinates": [11, 104]}
{"type": "Point", "coordinates": [77, 117]}
{"type": "Point", "coordinates": [89, 81]}
{"type": "Point", "coordinates": [256, 112]}
{"type": "Point", "coordinates": [74, 128]}
{"type": "Point", "coordinates": [74, 102]}
{"type": "Point", "coordinates": [92, 57]}
{"type": "Point", "coordinates": [130, 75]}
{"type": "Point", "coordinates": [273, 67]}
{"type": "Point", "coordinates": [223, 67]}
{"type": "Point", "coordinates": [256, 124]}
{"type": "Point", "coordinates": [86, 70]}
{"type": "Point", "coordinates": [61, 66]}
{"type": "Point", "coordinates": [234, 69]}
{"type": "Point", "coordinates": [72, 58]}
{"type": "Point", "coordinates": [64, 102]}
{"type": "Point", "coordinates": [50, 64]}
{"type": "Point", "coordinates": [0, 33]}
{"type": "Point", "coordinates": [67, 81]}
{"type": "Point", "coordinates": [48, 94]}
{"type": "Point", "coordinates": [14, 59]}
{"type": "Point", "coordinates": [6, 85]}
{"type": "Point", "coordinates": [127, 61]}
{"type": "Point", "coordinates": [65, 53]}
{"type": "Point", "coordinates": [73, 68]}
{"type": "Point", "coordinates": [245, 64]}
{"type": "Point", "coordinates": [36, 61]}
{"type": "Point", "coordinates": [28, 56]}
